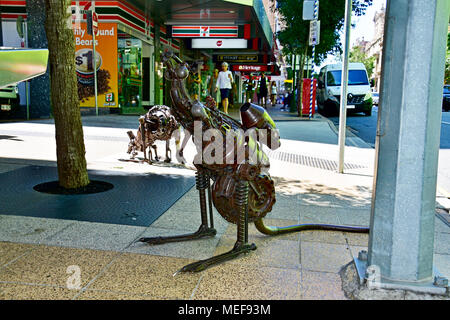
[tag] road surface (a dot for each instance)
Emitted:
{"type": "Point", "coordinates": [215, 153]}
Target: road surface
{"type": "Point", "coordinates": [365, 128]}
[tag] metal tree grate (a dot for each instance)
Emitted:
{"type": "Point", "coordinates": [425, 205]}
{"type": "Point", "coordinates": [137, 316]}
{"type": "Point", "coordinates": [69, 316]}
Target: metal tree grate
{"type": "Point", "coordinates": [310, 161]}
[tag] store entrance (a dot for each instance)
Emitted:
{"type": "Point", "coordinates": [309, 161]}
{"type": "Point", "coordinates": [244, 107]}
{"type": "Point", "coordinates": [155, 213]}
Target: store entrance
{"type": "Point", "coordinates": [147, 71]}
{"type": "Point", "coordinates": [130, 73]}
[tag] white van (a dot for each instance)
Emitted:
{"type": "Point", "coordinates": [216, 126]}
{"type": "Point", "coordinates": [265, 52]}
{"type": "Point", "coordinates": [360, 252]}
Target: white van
{"type": "Point", "coordinates": [359, 97]}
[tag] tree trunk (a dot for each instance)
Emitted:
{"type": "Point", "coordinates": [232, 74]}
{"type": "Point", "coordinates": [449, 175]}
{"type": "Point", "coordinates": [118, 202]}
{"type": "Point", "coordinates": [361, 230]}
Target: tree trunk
{"type": "Point", "coordinates": [70, 149]}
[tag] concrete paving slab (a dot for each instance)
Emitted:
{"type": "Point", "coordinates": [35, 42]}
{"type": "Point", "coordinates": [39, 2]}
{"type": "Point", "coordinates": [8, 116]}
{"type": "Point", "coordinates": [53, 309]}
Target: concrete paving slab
{"type": "Point", "coordinates": [231, 281]}
{"type": "Point", "coordinates": [335, 237]}
{"type": "Point", "coordinates": [19, 291]}
{"type": "Point", "coordinates": [149, 275]}
{"type": "Point", "coordinates": [194, 249]}
{"type": "Point", "coordinates": [29, 229]}
{"type": "Point", "coordinates": [442, 243]}
{"type": "Point", "coordinates": [97, 236]}
{"type": "Point", "coordinates": [258, 237]}
{"type": "Point", "coordinates": [441, 226]}
{"type": "Point", "coordinates": [321, 286]}
{"type": "Point", "coordinates": [358, 239]}
{"type": "Point", "coordinates": [323, 257]}
{"type": "Point", "coordinates": [442, 263]}
{"type": "Point", "coordinates": [188, 218]}
{"type": "Point", "coordinates": [112, 295]}
{"type": "Point", "coordinates": [354, 217]}
{"type": "Point", "coordinates": [47, 265]}
{"type": "Point", "coordinates": [270, 253]}
{"type": "Point", "coordinates": [318, 214]}
{"type": "Point", "coordinates": [10, 251]}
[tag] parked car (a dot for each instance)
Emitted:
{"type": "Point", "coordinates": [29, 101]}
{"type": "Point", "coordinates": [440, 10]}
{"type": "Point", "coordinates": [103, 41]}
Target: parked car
{"type": "Point", "coordinates": [446, 98]}
{"type": "Point", "coordinates": [359, 96]}
{"type": "Point", "coordinates": [9, 100]}
{"type": "Point", "coordinates": [375, 98]}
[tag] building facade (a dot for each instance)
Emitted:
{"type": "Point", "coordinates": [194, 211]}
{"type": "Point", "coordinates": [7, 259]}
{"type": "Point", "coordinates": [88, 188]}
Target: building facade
{"type": "Point", "coordinates": [375, 47]}
{"type": "Point", "coordinates": [132, 35]}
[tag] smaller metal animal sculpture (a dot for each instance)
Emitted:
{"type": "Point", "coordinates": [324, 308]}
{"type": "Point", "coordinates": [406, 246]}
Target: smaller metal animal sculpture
{"type": "Point", "coordinates": [157, 124]}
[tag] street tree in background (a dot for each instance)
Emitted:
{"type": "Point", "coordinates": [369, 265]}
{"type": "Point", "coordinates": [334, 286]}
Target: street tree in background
{"type": "Point", "coordinates": [70, 149]}
{"type": "Point", "coordinates": [357, 54]}
{"type": "Point", "coordinates": [294, 37]}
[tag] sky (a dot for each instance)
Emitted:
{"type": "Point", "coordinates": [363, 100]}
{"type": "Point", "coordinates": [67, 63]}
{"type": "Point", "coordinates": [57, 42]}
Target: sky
{"type": "Point", "coordinates": [364, 27]}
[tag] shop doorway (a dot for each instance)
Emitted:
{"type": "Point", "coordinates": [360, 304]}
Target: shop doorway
{"type": "Point", "coordinates": [130, 73]}
{"type": "Point", "coordinates": [147, 72]}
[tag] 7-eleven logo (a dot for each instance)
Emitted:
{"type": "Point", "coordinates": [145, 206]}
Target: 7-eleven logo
{"type": "Point", "coordinates": [204, 31]}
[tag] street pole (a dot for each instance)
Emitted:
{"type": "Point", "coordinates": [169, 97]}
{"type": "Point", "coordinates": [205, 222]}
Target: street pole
{"type": "Point", "coordinates": [344, 83]}
{"type": "Point", "coordinates": [95, 72]}
{"type": "Point", "coordinates": [316, 11]}
{"type": "Point", "coordinates": [401, 242]}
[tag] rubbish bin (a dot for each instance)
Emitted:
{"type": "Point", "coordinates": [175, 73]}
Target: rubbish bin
{"type": "Point", "coordinates": [306, 97]}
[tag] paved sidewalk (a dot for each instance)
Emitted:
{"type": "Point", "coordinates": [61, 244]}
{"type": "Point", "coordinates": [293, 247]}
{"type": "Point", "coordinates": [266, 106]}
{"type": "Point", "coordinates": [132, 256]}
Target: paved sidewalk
{"type": "Point", "coordinates": [40, 258]}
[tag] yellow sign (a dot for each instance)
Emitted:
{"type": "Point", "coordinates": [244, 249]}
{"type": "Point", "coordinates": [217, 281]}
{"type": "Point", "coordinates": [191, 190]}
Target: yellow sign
{"type": "Point", "coordinates": [105, 64]}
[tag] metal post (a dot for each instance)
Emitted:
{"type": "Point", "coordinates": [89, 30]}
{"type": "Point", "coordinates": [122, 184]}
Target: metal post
{"type": "Point", "coordinates": [316, 8]}
{"type": "Point", "coordinates": [95, 73]}
{"type": "Point", "coordinates": [407, 144]}
{"type": "Point", "coordinates": [344, 82]}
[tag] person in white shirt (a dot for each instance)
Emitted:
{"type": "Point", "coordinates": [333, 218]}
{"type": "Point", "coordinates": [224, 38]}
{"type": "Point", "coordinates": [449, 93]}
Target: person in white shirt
{"type": "Point", "coordinates": [224, 82]}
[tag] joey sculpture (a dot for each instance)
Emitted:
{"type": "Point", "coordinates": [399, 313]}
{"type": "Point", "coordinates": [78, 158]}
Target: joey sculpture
{"type": "Point", "coordinates": [157, 124]}
{"type": "Point", "coordinates": [242, 190]}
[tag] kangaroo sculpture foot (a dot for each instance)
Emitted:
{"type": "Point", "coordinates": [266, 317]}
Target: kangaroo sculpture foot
{"type": "Point", "coordinates": [202, 232]}
{"type": "Point", "coordinates": [201, 265]}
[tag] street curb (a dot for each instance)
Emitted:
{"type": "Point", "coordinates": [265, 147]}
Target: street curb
{"type": "Point", "coordinates": [349, 133]}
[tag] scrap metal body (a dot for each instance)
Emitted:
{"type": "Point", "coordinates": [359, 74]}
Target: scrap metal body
{"type": "Point", "coordinates": [242, 191]}
{"type": "Point", "coordinates": [157, 124]}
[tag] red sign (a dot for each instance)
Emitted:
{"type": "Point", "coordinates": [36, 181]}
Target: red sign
{"type": "Point", "coordinates": [219, 43]}
{"type": "Point", "coordinates": [249, 68]}
{"type": "Point", "coordinates": [94, 23]}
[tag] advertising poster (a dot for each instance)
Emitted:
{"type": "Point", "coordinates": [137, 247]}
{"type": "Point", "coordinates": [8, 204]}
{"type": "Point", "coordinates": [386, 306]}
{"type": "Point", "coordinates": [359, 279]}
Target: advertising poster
{"type": "Point", "coordinates": [105, 63]}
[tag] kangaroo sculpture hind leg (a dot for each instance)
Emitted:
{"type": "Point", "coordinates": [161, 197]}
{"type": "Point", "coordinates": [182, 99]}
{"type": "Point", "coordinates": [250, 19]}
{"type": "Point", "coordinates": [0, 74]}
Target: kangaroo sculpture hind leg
{"type": "Point", "coordinates": [240, 247]}
{"type": "Point", "coordinates": [202, 183]}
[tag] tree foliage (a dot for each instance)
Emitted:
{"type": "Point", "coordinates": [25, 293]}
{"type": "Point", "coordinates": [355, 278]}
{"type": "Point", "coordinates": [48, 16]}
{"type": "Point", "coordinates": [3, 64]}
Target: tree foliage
{"type": "Point", "coordinates": [294, 37]}
{"type": "Point", "coordinates": [357, 54]}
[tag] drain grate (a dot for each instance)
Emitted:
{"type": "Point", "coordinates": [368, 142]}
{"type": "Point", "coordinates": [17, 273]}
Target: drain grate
{"type": "Point", "coordinates": [310, 161]}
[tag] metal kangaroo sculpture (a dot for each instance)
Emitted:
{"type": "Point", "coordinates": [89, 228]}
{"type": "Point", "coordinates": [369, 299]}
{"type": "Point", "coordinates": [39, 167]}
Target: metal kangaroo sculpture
{"type": "Point", "coordinates": [242, 190]}
{"type": "Point", "coordinates": [157, 124]}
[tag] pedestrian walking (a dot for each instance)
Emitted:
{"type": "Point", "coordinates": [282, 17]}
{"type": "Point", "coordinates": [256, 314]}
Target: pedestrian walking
{"type": "Point", "coordinates": [273, 93]}
{"type": "Point", "coordinates": [212, 86]}
{"type": "Point", "coordinates": [224, 83]}
{"type": "Point", "coordinates": [249, 90]}
{"type": "Point", "coordinates": [262, 99]}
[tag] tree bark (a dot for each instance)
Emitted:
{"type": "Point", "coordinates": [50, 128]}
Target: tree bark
{"type": "Point", "coordinates": [70, 149]}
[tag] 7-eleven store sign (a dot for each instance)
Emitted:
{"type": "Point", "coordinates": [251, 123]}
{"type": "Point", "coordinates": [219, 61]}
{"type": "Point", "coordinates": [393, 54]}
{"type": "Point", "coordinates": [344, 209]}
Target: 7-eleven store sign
{"type": "Point", "coordinates": [205, 31]}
